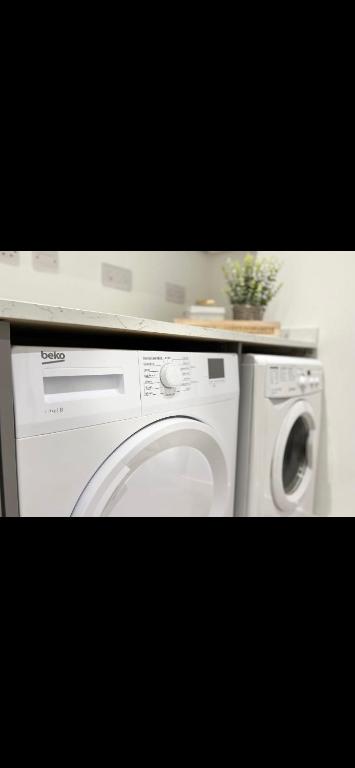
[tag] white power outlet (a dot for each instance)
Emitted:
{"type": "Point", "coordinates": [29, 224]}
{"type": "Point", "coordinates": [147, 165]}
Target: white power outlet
{"type": "Point", "coordinates": [175, 293]}
{"type": "Point", "coordinates": [46, 261]}
{"type": "Point", "coordinates": [10, 257]}
{"type": "Point", "coordinates": [117, 277]}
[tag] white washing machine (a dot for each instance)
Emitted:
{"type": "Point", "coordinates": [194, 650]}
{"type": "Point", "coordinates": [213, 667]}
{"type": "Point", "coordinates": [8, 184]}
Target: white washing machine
{"type": "Point", "coordinates": [279, 428]}
{"type": "Point", "coordinates": [125, 433]}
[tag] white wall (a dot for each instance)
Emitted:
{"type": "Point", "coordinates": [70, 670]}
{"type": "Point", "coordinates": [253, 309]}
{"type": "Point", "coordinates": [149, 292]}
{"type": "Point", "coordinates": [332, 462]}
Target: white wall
{"type": "Point", "coordinates": [78, 282]}
{"type": "Point", "coordinates": [319, 290]}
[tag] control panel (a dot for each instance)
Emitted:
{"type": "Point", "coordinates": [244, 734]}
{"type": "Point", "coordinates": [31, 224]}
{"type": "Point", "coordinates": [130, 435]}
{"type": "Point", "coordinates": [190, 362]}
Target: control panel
{"type": "Point", "coordinates": [165, 375]}
{"type": "Point", "coordinates": [57, 389]}
{"type": "Point", "coordinates": [293, 380]}
{"type": "Point", "coordinates": [170, 378]}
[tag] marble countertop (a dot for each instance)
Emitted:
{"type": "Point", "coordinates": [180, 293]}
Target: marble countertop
{"type": "Point", "coordinates": [26, 312]}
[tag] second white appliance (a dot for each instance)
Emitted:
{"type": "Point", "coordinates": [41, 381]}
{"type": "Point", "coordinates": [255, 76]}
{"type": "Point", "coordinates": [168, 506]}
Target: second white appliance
{"type": "Point", "coordinates": [280, 421]}
{"type": "Point", "coordinates": [125, 433]}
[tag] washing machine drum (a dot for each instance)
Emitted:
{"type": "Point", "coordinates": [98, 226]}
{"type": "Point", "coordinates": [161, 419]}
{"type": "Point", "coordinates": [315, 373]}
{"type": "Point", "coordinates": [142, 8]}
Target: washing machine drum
{"type": "Point", "coordinates": [172, 468]}
{"type": "Point", "coordinates": [293, 461]}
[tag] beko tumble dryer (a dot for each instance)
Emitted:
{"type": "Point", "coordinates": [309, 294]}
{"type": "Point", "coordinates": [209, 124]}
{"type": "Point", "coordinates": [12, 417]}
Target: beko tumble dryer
{"type": "Point", "coordinates": [279, 429]}
{"type": "Point", "coordinates": [125, 433]}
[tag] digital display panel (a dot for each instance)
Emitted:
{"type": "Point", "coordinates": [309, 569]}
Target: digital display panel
{"type": "Point", "coordinates": [216, 368]}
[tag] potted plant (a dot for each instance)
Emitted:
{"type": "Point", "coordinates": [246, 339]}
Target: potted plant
{"type": "Point", "coordinates": [251, 284]}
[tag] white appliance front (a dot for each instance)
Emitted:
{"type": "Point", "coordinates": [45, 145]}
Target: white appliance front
{"type": "Point", "coordinates": [281, 406]}
{"type": "Point", "coordinates": [111, 433]}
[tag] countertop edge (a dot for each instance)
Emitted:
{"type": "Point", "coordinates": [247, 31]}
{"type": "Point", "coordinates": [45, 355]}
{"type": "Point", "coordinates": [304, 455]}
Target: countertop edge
{"type": "Point", "coordinates": [32, 313]}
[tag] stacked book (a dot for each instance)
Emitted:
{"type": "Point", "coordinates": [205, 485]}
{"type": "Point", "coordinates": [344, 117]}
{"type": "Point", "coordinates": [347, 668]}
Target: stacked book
{"type": "Point", "coordinates": [200, 312]}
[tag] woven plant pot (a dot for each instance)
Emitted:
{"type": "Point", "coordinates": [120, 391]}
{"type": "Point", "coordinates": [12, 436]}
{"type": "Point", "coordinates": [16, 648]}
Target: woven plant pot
{"type": "Point", "coordinates": [248, 312]}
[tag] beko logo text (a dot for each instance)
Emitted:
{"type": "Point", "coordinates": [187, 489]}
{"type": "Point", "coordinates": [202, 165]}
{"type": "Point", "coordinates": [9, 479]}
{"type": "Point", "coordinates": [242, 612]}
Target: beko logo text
{"type": "Point", "coordinates": [53, 357]}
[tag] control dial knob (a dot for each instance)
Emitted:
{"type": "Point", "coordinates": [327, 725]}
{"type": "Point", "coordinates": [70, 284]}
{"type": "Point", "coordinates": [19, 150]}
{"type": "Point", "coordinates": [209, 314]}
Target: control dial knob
{"type": "Point", "coordinates": [302, 381]}
{"type": "Point", "coordinates": [171, 376]}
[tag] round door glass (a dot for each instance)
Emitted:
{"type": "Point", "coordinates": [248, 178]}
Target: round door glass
{"type": "Point", "coordinates": [295, 458]}
{"type": "Point", "coordinates": [175, 483]}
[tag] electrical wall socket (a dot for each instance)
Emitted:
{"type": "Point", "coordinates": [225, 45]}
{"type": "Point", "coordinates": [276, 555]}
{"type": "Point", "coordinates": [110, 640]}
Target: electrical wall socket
{"type": "Point", "coordinates": [10, 257]}
{"type": "Point", "coordinates": [175, 293]}
{"type": "Point", "coordinates": [117, 277]}
{"type": "Point", "coordinates": [46, 261]}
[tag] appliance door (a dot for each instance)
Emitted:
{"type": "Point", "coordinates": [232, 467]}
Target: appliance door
{"type": "Point", "coordinates": [172, 468]}
{"type": "Point", "coordinates": [293, 461]}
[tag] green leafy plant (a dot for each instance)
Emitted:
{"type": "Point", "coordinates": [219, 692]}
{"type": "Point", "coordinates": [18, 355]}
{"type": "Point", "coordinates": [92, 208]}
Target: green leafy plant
{"type": "Point", "coordinates": [253, 280]}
